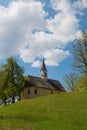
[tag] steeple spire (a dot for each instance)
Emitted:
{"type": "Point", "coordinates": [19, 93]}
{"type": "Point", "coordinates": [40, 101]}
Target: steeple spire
{"type": "Point", "coordinates": [43, 70]}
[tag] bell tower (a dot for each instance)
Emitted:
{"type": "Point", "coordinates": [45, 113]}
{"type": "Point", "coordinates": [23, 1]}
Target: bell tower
{"type": "Point", "coordinates": [43, 71]}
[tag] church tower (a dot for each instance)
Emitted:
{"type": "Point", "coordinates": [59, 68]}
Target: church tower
{"type": "Point", "coordinates": [43, 71]}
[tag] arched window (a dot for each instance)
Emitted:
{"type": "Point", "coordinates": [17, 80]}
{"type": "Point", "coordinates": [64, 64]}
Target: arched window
{"type": "Point", "coordinates": [35, 91]}
{"type": "Point", "coordinates": [28, 91]}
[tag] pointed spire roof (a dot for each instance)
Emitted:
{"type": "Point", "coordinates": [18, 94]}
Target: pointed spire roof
{"type": "Point", "coordinates": [43, 71]}
{"type": "Point", "coordinates": [43, 67]}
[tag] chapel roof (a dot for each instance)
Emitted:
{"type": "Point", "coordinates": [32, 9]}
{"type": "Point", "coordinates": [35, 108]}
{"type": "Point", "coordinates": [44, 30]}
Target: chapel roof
{"type": "Point", "coordinates": [32, 81]}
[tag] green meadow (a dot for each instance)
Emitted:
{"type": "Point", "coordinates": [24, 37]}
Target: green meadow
{"type": "Point", "coordinates": [65, 111]}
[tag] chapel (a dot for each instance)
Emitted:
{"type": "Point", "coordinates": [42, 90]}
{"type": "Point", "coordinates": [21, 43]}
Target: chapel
{"type": "Point", "coordinates": [41, 86]}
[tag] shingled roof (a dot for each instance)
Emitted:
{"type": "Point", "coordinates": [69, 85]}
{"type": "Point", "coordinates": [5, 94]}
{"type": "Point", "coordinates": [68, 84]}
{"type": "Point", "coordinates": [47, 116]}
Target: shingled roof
{"type": "Point", "coordinates": [33, 81]}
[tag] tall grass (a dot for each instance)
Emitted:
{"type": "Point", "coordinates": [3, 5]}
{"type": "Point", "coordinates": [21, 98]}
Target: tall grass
{"type": "Point", "coordinates": [66, 111]}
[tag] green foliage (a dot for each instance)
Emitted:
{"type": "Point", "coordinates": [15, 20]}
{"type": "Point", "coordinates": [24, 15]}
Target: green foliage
{"type": "Point", "coordinates": [82, 84]}
{"type": "Point", "coordinates": [66, 111]}
{"type": "Point", "coordinates": [11, 77]}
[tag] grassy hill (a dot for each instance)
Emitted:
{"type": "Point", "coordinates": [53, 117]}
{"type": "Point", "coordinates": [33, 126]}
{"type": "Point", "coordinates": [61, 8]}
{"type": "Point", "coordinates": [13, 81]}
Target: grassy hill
{"type": "Point", "coordinates": [67, 111]}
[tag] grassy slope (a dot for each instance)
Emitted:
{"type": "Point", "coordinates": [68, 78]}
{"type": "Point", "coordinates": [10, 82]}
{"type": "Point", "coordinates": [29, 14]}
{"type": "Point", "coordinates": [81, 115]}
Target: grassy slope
{"type": "Point", "coordinates": [54, 112]}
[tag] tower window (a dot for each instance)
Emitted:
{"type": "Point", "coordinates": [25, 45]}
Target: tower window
{"type": "Point", "coordinates": [28, 91]}
{"type": "Point", "coordinates": [35, 91]}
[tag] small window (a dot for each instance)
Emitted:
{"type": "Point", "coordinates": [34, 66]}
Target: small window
{"type": "Point", "coordinates": [51, 92]}
{"type": "Point", "coordinates": [28, 91]}
{"type": "Point", "coordinates": [35, 91]}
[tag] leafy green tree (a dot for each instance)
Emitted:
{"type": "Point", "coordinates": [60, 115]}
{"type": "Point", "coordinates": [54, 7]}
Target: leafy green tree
{"type": "Point", "coordinates": [82, 84]}
{"type": "Point", "coordinates": [71, 80]}
{"type": "Point", "coordinates": [3, 86]}
{"type": "Point", "coordinates": [12, 83]}
{"type": "Point", "coordinates": [80, 53]}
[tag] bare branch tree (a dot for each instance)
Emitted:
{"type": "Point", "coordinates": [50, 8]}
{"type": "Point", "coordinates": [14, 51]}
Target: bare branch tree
{"type": "Point", "coordinates": [71, 81]}
{"type": "Point", "coordinates": [80, 53]}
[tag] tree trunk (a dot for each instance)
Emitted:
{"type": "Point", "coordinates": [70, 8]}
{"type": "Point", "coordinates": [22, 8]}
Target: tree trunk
{"type": "Point", "coordinates": [13, 99]}
{"type": "Point", "coordinates": [4, 101]}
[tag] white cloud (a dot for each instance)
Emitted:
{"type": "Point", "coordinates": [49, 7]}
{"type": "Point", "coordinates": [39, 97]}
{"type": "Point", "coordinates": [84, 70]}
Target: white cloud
{"type": "Point", "coordinates": [36, 64]}
{"type": "Point", "coordinates": [57, 56]}
{"type": "Point", "coordinates": [80, 4]}
{"type": "Point", "coordinates": [25, 30]}
{"type": "Point", "coordinates": [16, 21]}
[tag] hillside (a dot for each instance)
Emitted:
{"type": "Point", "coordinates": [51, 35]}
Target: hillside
{"type": "Point", "coordinates": [67, 111]}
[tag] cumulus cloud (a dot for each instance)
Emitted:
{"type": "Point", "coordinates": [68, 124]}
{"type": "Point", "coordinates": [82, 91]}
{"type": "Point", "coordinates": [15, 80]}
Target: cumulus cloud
{"type": "Point", "coordinates": [17, 21]}
{"type": "Point", "coordinates": [81, 4]}
{"type": "Point", "coordinates": [36, 63]}
{"type": "Point", "coordinates": [25, 30]}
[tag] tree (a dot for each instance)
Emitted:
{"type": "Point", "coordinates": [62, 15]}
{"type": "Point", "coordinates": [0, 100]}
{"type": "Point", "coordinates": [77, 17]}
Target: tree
{"type": "Point", "coordinates": [71, 81]}
{"type": "Point", "coordinates": [82, 84]}
{"type": "Point", "coordinates": [3, 86]}
{"type": "Point", "coordinates": [12, 83]}
{"type": "Point", "coordinates": [80, 53]}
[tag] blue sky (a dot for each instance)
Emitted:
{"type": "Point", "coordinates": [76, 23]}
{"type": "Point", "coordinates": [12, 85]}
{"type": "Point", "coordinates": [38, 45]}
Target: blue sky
{"type": "Point", "coordinates": [33, 29]}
